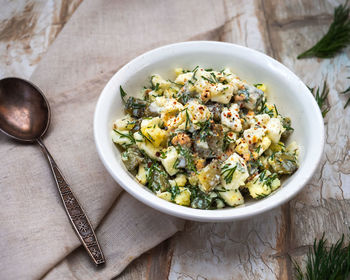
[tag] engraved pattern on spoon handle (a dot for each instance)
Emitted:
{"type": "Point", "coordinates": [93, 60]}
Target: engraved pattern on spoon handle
{"type": "Point", "coordinates": [76, 214]}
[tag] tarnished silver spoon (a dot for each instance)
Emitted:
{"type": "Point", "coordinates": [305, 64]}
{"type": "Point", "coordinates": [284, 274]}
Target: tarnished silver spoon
{"type": "Point", "coordinates": [25, 116]}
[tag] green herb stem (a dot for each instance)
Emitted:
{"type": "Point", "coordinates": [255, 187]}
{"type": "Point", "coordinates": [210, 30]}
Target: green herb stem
{"type": "Point", "coordinates": [129, 136]}
{"type": "Point", "coordinates": [122, 93]}
{"type": "Point", "coordinates": [325, 263]}
{"type": "Point", "coordinates": [347, 91]}
{"type": "Point", "coordinates": [228, 172]}
{"type": "Point", "coordinates": [336, 38]}
{"type": "Point", "coordinates": [321, 98]}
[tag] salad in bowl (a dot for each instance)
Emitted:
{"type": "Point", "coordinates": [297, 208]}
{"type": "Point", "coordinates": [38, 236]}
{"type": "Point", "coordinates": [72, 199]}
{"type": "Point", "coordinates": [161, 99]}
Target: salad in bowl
{"type": "Point", "coordinates": [205, 140]}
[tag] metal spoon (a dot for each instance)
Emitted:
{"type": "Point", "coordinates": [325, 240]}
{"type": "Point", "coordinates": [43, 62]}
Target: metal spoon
{"type": "Point", "coordinates": [25, 116]}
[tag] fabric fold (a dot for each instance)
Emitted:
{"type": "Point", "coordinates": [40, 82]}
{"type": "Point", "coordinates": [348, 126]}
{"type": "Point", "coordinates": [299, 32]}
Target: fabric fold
{"type": "Point", "coordinates": [121, 244]}
{"type": "Point", "coordinates": [35, 233]}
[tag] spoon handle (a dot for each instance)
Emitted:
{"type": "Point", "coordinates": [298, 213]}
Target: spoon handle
{"type": "Point", "coordinates": [76, 214]}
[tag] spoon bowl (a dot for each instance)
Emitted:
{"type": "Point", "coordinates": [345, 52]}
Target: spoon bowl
{"type": "Point", "coordinates": [25, 116]}
{"type": "Point", "coordinates": [24, 110]}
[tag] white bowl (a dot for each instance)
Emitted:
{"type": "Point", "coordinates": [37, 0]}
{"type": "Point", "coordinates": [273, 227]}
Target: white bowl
{"type": "Point", "coordinates": [285, 89]}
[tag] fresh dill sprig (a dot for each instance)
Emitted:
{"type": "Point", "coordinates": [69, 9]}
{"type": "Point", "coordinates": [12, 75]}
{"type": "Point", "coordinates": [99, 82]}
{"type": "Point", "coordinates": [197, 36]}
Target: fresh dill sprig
{"type": "Point", "coordinates": [323, 263]}
{"type": "Point", "coordinates": [347, 91]}
{"type": "Point", "coordinates": [321, 98]}
{"type": "Point", "coordinates": [336, 38]}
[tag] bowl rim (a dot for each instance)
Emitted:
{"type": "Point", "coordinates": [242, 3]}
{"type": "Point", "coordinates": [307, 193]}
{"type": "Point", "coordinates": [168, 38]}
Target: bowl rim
{"type": "Point", "coordinates": [222, 215]}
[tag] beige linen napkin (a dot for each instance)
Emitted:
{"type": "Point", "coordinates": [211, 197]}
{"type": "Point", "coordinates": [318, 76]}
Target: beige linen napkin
{"type": "Point", "coordinates": [36, 239]}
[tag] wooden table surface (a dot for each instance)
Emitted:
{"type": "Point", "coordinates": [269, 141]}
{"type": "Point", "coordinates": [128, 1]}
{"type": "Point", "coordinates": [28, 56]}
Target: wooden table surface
{"type": "Point", "coordinates": [258, 248]}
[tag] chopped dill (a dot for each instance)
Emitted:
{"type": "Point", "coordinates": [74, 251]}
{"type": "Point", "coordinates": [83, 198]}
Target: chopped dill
{"type": "Point", "coordinates": [262, 175]}
{"type": "Point", "coordinates": [260, 196]}
{"type": "Point", "coordinates": [188, 119]}
{"type": "Point", "coordinates": [156, 87]}
{"type": "Point", "coordinates": [188, 158]}
{"type": "Point", "coordinates": [176, 163]}
{"type": "Point", "coordinates": [214, 77]}
{"type": "Point", "coordinates": [195, 69]}
{"type": "Point", "coordinates": [228, 172]}
{"type": "Point", "coordinates": [205, 130]}
{"type": "Point", "coordinates": [162, 155]}
{"type": "Point", "coordinates": [122, 93]}
{"type": "Point", "coordinates": [210, 80]}
{"type": "Point", "coordinates": [128, 136]}
{"type": "Point", "coordinates": [174, 190]}
{"type": "Point", "coordinates": [226, 143]}
{"type": "Point", "coordinates": [146, 138]}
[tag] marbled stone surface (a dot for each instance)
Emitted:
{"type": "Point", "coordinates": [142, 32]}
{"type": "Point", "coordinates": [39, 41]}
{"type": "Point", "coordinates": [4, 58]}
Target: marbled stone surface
{"type": "Point", "coordinates": [258, 248]}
